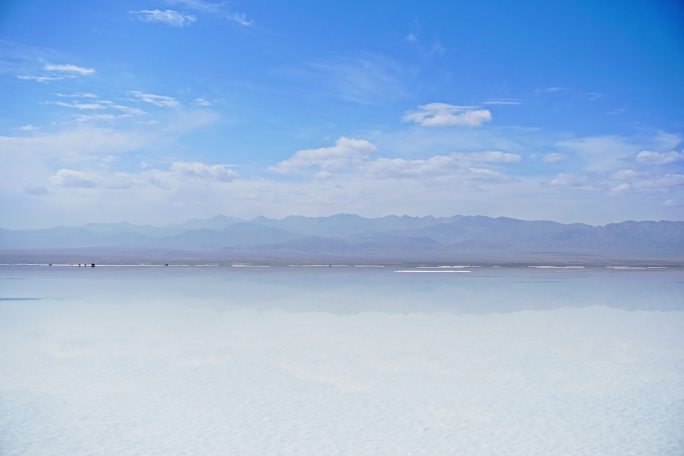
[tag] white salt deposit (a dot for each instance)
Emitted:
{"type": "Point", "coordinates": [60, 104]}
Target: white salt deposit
{"type": "Point", "coordinates": [218, 361]}
{"type": "Point", "coordinates": [428, 270]}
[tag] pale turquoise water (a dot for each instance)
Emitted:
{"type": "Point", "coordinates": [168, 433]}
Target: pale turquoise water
{"type": "Point", "coordinates": [133, 360]}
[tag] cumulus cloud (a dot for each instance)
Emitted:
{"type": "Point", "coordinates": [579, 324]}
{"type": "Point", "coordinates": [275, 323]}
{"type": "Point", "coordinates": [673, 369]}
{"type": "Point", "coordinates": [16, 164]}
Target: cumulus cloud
{"type": "Point", "coordinates": [199, 101]}
{"type": "Point", "coordinates": [345, 153]}
{"type": "Point", "coordinates": [631, 181]}
{"type": "Point", "coordinates": [466, 165]}
{"type": "Point", "coordinates": [169, 17]}
{"type": "Point", "coordinates": [432, 167]}
{"type": "Point", "coordinates": [178, 173]}
{"type": "Point", "coordinates": [68, 68]}
{"type": "Point", "coordinates": [621, 182]}
{"type": "Point", "coordinates": [624, 174]}
{"type": "Point", "coordinates": [569, 180]}
{"type": "Point", "coordinates": [162, 101]}
{"type": "Point", "coordinates": [493, 156]}
{"type": "Point", "coordinates": [554, 157]}
{"type": "Point", "coordinates": [443, 114]}
{"type": "Point", "coordinates": [659, 158]}
{"type": "Point", "coordinates": [438, 165]}
{"type": "Point", "coordinates": [73, 178]}
{"type": "Point", "coordinates": [356, 154]}
{"type": "Point", "coordinates": [666, 183]}
{"type": "Point", "coordinates": [74, 144]}
{"type": "Point", "coordinates": [197, 170]}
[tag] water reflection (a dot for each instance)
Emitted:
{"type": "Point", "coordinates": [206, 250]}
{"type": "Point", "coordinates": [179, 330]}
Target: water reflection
{"type": "Point", "coordinates": [255, 361]}
{"type": "Point", "coordinates": [352, 290]}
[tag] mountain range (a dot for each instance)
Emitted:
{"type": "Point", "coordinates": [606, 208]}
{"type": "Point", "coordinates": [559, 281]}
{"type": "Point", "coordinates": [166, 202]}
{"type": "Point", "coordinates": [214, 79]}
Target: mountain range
{"type": "Point", "coordinates": [348, 237]}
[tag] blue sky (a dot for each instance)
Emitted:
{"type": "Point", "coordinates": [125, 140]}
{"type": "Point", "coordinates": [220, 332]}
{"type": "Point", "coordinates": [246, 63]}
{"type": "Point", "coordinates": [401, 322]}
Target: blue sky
{"type": "Point", "coordinates": [155, 111]}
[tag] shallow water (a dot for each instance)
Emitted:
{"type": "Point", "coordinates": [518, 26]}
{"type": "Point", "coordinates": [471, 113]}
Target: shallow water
{"type": "Point", "coordinates": [221, 360]}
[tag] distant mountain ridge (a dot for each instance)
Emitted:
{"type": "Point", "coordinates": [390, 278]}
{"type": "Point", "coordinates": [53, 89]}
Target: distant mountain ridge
{"type": "Point", "coordinates": [401, 238]}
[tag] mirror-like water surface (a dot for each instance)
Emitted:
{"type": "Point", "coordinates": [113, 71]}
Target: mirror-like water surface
{"type": "Point", "coordinates": [510, 361]}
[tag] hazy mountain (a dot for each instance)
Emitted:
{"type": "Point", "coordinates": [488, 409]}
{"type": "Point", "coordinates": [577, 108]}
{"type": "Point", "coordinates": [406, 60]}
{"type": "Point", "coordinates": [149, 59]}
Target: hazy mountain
{"type": "Point", "coordinates": [346, 225]}
{"type": "Point", "coordinates": [351, 236]}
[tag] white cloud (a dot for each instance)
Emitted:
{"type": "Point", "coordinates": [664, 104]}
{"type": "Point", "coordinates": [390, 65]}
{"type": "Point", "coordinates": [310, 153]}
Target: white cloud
{"type": "Point", "coordinates": [178, 174]}
{"type": "Point", "coordinates": [27, 157]}
{"type": "Point", "coordinates": [624, 174]}
{"type": "Point", "coordinates": [494, 156]}
{"type": "Point", "coordinates": [73, 144]}
{"type": "Point", "coordinates": [170, 17]}
{"type": "Point", "coordinates": [161, 101]}
{"type": "Point", "coordinates": [112, 111]}
{"type": "Point", "coordinates": [489, 174]}
{"type": "Point", "coordinates": [631, 181]}
{"type": "Point", "coordinates": [239, 18]}
{"type": "Point", "coordinates": [68, 68]}
{"type": "Point", "coordinates": [82, 118]}
{"type": "Point", "coordinates": [503, 102]}
{"type": "Point", "coordinates": [569, 180]}
{"type": "Point", "coordinates": [197, 5]}
{"type": "Point", "coordinates": [128, 110]}
{"type": "Point", "coordinates": [667, 141]}
{"type": "Point", "coordinates": [600, 153]}
{"type": "Point", "coordinates": [77, 95]}
{"type": "Point", "coordinates": [663, 183]}
{"type": "Point", "coordinates": [369, 79]}
{"type": "Point", "coordinates": [197, 170]}
{"type": "Point", "coordinates": [356, 155]}
{"type": "Point", "coordinates": [216, 9]}
{"type": "Point", "coordinates": [659, 158]}
{"type": "Point", "coordinates": [27, 77]}
{"type": "Point", "coordinates": [621, 182]}
{"type": "Point", "coordinates": [443, 114]}
{"type": "Point", "coordinates": [436, 48]}
{"type": "Point", "coordinates": [81, 106]}
{"type": "Point", "coordinates": [554, 157]}
{"type": "Point", "coordinates": [345, 153]}
{"type": "Point", "coordinates": [199, 101]}
{"type": "Point", "coordinates": [620, 188]}
{"type": "Point", "coordinates": [425, 48]}
{"type": "Point", "coordinates": [58, 72]}
{"type": "Point", "coordinates": [549, 90]}
{"type": "Point", "coordinates": [437, 166]}
{"type": "Point", "coordinates": [74, 179]}
{"type": "Point", "coordinates": [35, 190]}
